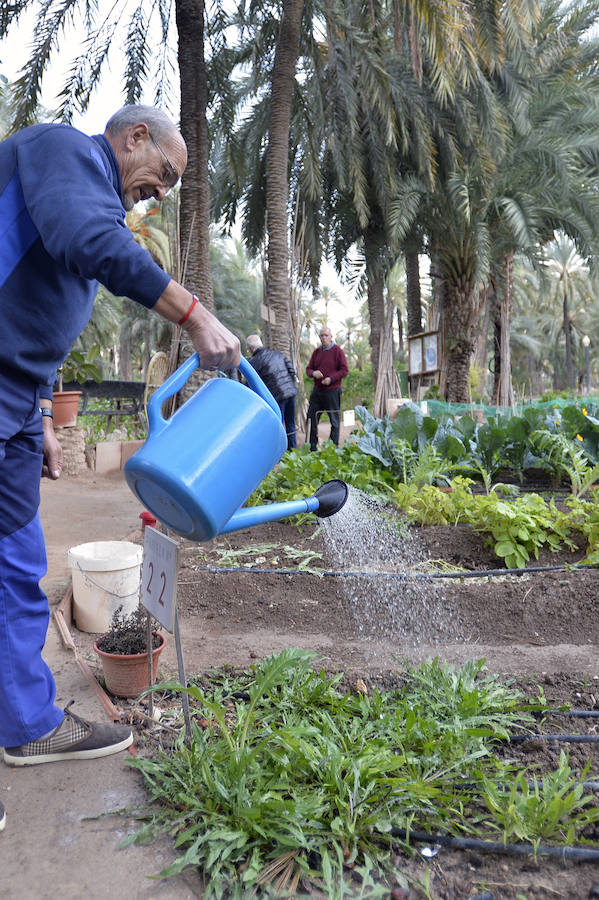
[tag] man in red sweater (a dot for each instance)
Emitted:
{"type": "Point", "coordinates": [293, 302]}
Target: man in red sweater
{"type": "Point", "coordinates": [327, 366]}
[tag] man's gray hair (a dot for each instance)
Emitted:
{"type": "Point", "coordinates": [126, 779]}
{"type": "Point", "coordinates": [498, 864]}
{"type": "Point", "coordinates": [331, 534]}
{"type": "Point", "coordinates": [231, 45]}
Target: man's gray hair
{"type": "Point", "coordinates": [254, 342]}
{"type": "Point", "coordinates": [161, 126]}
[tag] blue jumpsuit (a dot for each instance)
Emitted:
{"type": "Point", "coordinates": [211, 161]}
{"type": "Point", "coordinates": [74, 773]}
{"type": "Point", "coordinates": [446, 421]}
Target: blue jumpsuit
{"type": "Point", "coordinates": [62, 231]}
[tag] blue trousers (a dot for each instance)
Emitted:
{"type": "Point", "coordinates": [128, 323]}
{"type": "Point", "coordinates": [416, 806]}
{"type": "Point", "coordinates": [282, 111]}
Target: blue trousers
{"type": "Point", "coordinates": [288, 416]}
{"type": "Point", "coordinates": [27, 688]}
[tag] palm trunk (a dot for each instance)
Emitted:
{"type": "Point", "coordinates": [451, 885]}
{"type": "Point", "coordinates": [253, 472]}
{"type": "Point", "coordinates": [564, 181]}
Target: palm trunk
{"type": "Point", "coordinates": [195, 190]}
{"type": "Point", "coordinates": [568, 336]}
{"type": "Point", "coordinates": [505, 393]}
{"type": "Point", "coordinates": [461, 311]}
{"type": "Point", "coordinates": [278, 290]}
{"type": "Point", "coordinates": [482, 337]}
{"type": "Point", "coordinates": [437, 313]}
{"type": "Point", "coordinates": [387, 382]}
{"type": "Point", "coordinates": [413, 294]}
{"type": "Point", "coordinates": [496, 344]}
{"type": "Point", "coordinates": [399, 329]}
{"type": "Point", "coordinates": [125, 370]}
{"type": "Point", "coordinates": [376, 300]}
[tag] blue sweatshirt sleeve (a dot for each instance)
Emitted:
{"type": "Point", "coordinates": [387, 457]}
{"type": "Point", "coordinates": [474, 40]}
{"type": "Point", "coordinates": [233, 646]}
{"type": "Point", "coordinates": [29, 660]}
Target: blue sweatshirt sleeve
{"type": "Point", "coordinates": [79, 215]}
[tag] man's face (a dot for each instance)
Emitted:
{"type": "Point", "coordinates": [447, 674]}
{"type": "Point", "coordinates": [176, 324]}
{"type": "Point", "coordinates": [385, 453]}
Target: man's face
{"type": "Point", "coordinates": [326, 338]}
{"type": "Point", "coordinates": [149, 168]}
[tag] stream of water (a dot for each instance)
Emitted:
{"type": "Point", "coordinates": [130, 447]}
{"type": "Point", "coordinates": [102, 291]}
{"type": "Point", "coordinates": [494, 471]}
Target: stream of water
{"type": "Point", "coordinates": [365, 536]}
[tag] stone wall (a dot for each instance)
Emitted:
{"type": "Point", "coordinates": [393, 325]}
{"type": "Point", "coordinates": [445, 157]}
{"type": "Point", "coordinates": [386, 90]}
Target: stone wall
{"type": "Point", "coordinates": [72, 441]}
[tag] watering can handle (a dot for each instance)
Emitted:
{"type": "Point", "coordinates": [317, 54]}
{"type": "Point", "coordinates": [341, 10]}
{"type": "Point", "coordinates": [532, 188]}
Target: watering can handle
{"type": "Point", "coordinates": [180, 376]}
{"type": "Point", "coordinates": [257, 385]}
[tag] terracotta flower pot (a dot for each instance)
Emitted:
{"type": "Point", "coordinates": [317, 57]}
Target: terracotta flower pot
{"type": "Point", "coordinates": [126, 675]}
{"type": "Point", "coordinates": [65, 408]}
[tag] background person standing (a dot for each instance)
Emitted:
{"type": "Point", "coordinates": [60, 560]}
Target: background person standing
{"type": "Point", "coordinates": [328, 367]}
{"type": "Point", "coordinates": [278, 374]}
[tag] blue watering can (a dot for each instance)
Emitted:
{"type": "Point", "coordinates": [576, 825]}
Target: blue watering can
{"type": "Point", "coordinates": [197, 468]}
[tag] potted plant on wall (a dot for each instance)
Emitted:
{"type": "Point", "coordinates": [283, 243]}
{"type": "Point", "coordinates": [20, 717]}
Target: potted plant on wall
{"type": "Point", "coordinates": [124, 655]}
{"type": "Point", "coordinates": [78, 366]}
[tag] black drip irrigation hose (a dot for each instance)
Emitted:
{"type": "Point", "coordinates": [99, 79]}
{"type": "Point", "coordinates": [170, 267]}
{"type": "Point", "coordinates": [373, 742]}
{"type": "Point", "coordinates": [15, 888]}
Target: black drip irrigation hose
{"type": "Point", "coordinates": [393, 576]}
{"type": "Point", "coordinates": [590, 786]}
{"type": "Point", "coordinates": [578, 854]}
{"type": "Point", "coordinates": [566, 738]}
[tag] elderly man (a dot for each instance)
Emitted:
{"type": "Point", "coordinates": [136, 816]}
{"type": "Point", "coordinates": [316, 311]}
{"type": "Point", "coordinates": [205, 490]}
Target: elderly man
{"type": "Point", "coordinates": [328, 367]}
{"type": "Point", "coordinates": [278, 374]}
{"type": "Point", "coordinates": [63, 197]}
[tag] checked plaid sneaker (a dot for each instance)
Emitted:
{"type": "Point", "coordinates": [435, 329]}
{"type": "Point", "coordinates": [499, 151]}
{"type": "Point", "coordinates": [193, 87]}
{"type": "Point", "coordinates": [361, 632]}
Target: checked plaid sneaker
{"type": "Point", "coordinates": [74, 738]}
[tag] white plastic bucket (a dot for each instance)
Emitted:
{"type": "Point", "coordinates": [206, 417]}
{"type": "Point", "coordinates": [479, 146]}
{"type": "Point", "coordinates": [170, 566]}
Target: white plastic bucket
{"type": "Point", "coordinates": [106, 575]}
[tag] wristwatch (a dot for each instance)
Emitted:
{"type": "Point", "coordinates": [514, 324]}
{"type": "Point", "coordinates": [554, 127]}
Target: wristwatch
{"type": "Point", "coordinates": [45, 411]}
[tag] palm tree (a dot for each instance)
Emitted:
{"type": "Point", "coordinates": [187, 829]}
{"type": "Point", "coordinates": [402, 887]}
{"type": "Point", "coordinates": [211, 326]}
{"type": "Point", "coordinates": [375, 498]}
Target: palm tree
{"type": "Point", "coordinates": [570, 288]}
{"type": "Point", "coordinates": [441, 137]}
{"type": "Point", "coordinates": [540, 173]}
{"type": "Point", "coordinates": [148, 229]}
{"type": "Point", "coordinates": [4, 106]}
{"type": "Point", "coordinates": [559, 140]}
{"type": "Point", "coordinates": [195, 186]}
{"type": "Point", "coordinates": [238, 288]}
{"type": "Point", "coordinates": [358, 107]}
{"type": "Point", "coordinates": [278, 289]}
{"type": "Point", "coordinates": [147, 26]}
{"type": "Point", "coordinates": [350, 325]}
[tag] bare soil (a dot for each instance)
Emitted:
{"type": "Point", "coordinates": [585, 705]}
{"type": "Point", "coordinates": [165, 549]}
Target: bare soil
{"type": "Point", "coordinates": [539, 629]}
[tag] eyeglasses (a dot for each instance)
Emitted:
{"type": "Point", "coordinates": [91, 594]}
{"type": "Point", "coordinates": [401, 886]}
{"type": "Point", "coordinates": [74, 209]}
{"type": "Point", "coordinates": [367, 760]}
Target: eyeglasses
{"type": "Point", "coordinates": [171, 176]}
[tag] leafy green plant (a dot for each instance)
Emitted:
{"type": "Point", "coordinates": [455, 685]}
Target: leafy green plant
{"type": "Point", "coordinates": [123, 428]}
{"type": "Point", "coordinates": [521, 527]}
{"type": "Point", "coordinates": [301, 472]}
{"type": "Point", "coordinates": [518, 528]}
{"type": "Point", "coordinates": [412, 446]}
{"type": "Point", "coordinates": [268, 553]}
{"type": "Point", "coordinates": [577, 422]}
{"type": "Point", "coordinates": [429, 505]}
{"type": "Point", "coordinates": [404, 460]}
{"type": "Point", "coordinates": [304, 783]}
{"type": "Point", "coordinates": [584, 517]}
{"type": "Point", "coordinates": [552, 808]}
{"type": "Point", "coordinates": [358, 387]}
{"type": "Point", "coordinates": [568, 460]}
{"type": "Point", "coordinates": [80, 366]}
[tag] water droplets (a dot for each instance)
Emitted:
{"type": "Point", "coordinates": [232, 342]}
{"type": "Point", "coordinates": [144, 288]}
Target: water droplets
{"type": "Point", "coordinates": [366, 536]}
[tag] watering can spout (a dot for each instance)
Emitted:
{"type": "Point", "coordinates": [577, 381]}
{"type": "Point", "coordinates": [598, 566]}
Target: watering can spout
{"type": "Point", "coordinates": [328, 499]}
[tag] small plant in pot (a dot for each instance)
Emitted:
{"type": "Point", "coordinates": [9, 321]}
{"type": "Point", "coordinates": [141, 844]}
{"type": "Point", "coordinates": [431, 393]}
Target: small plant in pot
{"type": "Point", "coordinates": [78, 367]}
{"type": "Point", "coordinates": [123, 651]}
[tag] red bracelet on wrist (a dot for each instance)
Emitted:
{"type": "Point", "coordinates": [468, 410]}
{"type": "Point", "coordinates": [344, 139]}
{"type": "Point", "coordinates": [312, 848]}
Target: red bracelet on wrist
{"type": "Point", "coordinates": [188, 313]}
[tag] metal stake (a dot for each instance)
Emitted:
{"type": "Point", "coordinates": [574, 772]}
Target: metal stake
{"type": "Point", "coordinates": [182, 678]}
{"type": "Point", "coordinates": [181, 664]}
{"type": "Point", "coordinates": [149, 642]}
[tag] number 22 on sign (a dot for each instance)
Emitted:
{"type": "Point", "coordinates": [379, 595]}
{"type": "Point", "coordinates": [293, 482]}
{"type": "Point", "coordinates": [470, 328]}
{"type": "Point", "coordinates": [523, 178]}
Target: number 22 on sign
{"type": "Point", "coordinates": [159, 577]}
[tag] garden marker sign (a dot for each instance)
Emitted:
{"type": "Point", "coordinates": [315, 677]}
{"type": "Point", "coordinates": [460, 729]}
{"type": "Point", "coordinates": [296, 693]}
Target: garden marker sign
{"type": "Point", "coordinates": [159, 577]}
{"type": "Point", "coordinates": [159, 596]}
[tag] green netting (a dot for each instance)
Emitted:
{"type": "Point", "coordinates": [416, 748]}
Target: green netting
{"type": "Point", "coordinates": [476, 410]}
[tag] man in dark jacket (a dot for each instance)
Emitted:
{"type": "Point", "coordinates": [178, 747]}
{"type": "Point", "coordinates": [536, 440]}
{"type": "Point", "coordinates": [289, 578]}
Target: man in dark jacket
{"type": "Point", "coordinates": [278, 374]}
{"type": "Point", "coordinates": [327, 366]}
{"type": "Point", "coordinates": [63, 197]}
